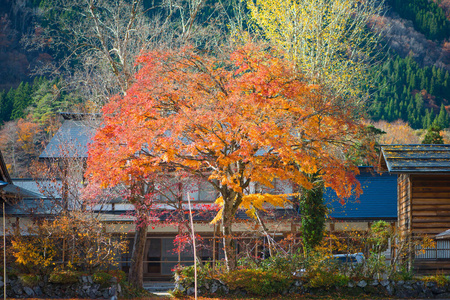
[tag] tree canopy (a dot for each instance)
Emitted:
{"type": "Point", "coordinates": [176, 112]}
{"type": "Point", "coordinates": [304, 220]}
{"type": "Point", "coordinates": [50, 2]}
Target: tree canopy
{"type": "Point", "coordinates": [329, 40]}
{"type": "Point", "coordinates": [232, 120]}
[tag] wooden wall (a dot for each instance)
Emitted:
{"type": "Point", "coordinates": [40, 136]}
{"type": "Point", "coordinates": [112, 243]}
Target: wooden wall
{"type": "Point", "coordinates": [424, 208]}
{"type": "Point", "coordinates": [404, 203]}
{"type": "Point", "coordinates": [432, 267]}
{"type": "Point", "coordinates": [430, 204]}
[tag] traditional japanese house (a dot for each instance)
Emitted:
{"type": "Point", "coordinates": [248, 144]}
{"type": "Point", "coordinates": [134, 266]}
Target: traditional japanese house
{"type": "Point", "coordinates": [377, 202]}
{"type": "Point", "coordinates": [423, 188]}
{"type": "Point", "coordinates": [22, 201]}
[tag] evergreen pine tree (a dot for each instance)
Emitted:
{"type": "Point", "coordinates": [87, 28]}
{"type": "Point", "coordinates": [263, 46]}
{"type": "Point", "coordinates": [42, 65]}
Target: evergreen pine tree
{"type": "Point", "coordinates": [433, 135]}
{"type": "Point", "coordinates": [426, 121]}
{"type": "Point", "coordinates": [2, 103]}
{"type": "Point", "coordinates": [8, 105]}
{"type": "Point", "coordinates": [22, 99]}
{"type": "Point", "coordinates": [442, 118]}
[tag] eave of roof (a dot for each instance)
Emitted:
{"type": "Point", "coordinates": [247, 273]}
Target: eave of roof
{"type": "Point", "coordinates": [415, 159]}
{"type": "Point", "coordinates": [443, 235]}
{"type": "Point", "coordinates": [79, 116]}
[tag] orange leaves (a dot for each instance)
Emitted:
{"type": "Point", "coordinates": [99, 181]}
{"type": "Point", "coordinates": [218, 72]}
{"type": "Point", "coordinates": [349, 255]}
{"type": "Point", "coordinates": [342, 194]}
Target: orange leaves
{"type": "Point", "coordinates": [245, 117]}
{"type": "Point", "coordinates": [26, 132]}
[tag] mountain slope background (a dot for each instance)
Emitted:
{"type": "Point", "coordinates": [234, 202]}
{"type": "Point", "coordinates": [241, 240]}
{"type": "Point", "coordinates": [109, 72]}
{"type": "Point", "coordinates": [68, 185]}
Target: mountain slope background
{"type": "Point", "coordinates": [412, 82]}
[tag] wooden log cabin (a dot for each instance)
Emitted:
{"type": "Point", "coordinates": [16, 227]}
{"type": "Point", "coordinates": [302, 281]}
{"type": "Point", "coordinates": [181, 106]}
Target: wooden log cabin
{"type": "Point", "coordinates": [423, 198]}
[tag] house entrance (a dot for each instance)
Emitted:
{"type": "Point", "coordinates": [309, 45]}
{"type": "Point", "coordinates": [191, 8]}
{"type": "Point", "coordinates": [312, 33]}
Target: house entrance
{"type": "Point", "coordinates": [161, 257]}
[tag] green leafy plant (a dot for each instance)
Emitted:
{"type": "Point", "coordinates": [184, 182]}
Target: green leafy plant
{"type": "Point", "coordinates": [327, 279]}
{"type": "Point", "coordinates": [256, 282]}
{"type": "Point", "coordinates": [186, 274]}
{"type": "Point", "coordinates": [103, 278]}
{"type": "Point", "coordinates": [403, 274]}
{"type": "Point", "coordinates": [64, 276]}
{"type": "Point", "coordinates": [283, 264]}
{"type": "Point", "coordinates": [119, 274]}
{"type": "Point", "coordinates": [30, 280]}
{"type": "Point", "coordinates": [440, 279]}
{"type": "Point", "coordinates": [131, 292]}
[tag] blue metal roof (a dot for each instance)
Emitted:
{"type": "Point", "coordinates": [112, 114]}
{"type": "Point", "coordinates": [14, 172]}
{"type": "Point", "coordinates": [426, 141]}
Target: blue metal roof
{"type": "Point", "coordinates": [71, 141]}
{"type": "Point", "coordinates": [378, 201]}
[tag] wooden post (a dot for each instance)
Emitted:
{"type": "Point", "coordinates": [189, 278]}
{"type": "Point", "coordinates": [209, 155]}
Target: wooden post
{"type": "Point", "coordinates": [4, 252]}
{"type": "Point", "coordinates": [214, 248]}
{"type": "Point", "coordinates": [193, 244]}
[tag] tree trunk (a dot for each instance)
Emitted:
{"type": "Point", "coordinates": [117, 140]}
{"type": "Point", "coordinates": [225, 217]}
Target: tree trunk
{"type": "Point", "coordinates": [136, 274]}
{"type": "Point", "coordinates": [228, 242]}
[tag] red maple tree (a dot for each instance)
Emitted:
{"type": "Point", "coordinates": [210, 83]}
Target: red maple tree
{"type": "Point", "coordinates": [229, 120]}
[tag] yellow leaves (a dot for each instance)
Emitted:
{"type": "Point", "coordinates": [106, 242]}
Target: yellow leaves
{"type": "Point", "coordinates": [327, 39]}
{"type": "Point", "coordinates": [79, 236]}
{"type": "Point", "coordinates": [424, 244]}
{"type": "Point", "coordinates": [33, 254]}
{"type": "Point", "coordinates": [218, 216]}
{"type": "Point", "coordinates": [168, 155]}
{"type": "Point", "coordinates": [257, 201]}
{"type": "Point", "coordinates": [253, 202]}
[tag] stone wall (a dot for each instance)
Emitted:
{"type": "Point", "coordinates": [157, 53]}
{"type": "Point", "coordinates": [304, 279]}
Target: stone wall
{"type": "Point", "coordinates": [84, 288]}
{"type": "Point", "coordinates": [400, 289]}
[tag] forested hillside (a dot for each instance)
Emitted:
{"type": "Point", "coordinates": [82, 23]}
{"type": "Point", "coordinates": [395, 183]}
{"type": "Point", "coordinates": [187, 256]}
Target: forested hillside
{"type": "Point", "coordinates": [418, 95]}
{"type": "Point", "coordinates": [52, 60]}
{"type": "Point", "coordinates": [413, 83]}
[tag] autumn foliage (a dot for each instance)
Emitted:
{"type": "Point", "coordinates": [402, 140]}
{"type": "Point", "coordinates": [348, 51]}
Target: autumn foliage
{"type": "Point", "coordinates": [76, 240]}
{"type": "Point", "coordinates": [231, 120]}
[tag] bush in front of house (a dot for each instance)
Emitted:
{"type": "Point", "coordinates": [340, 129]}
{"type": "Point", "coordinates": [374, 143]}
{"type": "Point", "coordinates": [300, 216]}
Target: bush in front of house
{"type": "Point", "coordinates": [78, 239]}
{"type": "Point", "coordinates": [30, 280]}
{"type": "Point", "coordinates": [318, 268]}
{"type": "Point", "coordinates": [256, 282]}
{"type": "Point", "coordinates": [64, 276]}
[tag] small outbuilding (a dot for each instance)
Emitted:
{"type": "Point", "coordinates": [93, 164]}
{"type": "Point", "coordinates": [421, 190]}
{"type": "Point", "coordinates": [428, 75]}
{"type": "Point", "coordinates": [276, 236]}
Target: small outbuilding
{"type": "Point", "coordinates": [423, 197]}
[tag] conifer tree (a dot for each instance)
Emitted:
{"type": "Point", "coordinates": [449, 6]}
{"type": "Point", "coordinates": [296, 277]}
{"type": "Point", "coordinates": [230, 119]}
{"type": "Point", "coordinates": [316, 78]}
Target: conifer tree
{"type": "Point", "coordinates": [433, 135]}
{"type": "Point", "coordinates": [442, 118]}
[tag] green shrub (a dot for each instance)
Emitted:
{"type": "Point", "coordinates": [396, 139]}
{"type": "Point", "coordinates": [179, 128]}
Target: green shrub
{"type": "Point", "coordinates": [119, 274]}
{"type": "Point", "coordinates": [64, 276]}
{"type": "Point", "coordinates": [282, 264]}
{"type": "Point", "coordinates": [441, 280]}
{"type": "Point", "coordinates": [256, 282]}
{"type": "Point", "coordinates": [104, 279]}
{"type": "Point", "coordinates": [130, 292]}
{"type": "Point", "coordinates": [326, 279]}
{"type": "Point", "coordinates": [403, 274]}
{"type": "Point", "coordinates": [186, 274]}
{"type": "Point", "coordinates": [30, 280]}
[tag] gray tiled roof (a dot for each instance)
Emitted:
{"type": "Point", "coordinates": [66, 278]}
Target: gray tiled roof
{"type": "Point", "coordinates": [431, 159]}
{"type": "Point", "coordinates": [45, 188]}
{"type": "Point", "coordinates": [35, 207]}
{"type": "Point", "coordinates": [71, 140]}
